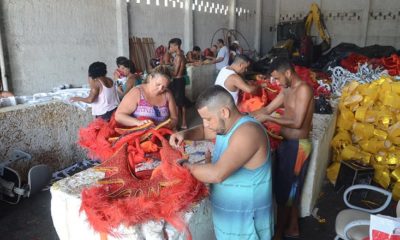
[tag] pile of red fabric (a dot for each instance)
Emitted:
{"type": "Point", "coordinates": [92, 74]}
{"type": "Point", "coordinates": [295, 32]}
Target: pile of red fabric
{"type": "Point", "coordinates": [352, 61]}
{"type": "Point", "coordinates": [252, 102]}
{"type": "Point", "coordinates": [126, 196]}
{"type": "Point", "coordinates": [311, 78]}
{"type": "Point", "coordinates": [391, 64]}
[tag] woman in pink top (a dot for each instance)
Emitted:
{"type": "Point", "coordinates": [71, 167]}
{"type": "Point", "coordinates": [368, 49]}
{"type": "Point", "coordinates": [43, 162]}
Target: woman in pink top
{"type": "Point", "coordinates": [103, 94]}
{"type": "Point", "coordinates": [151, 101]}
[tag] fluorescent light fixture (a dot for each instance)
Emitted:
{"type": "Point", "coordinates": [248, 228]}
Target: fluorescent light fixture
{"type": "Point", "coordinates": [193, 7]}
{"type": "Point", "coordinates": [166, 3]}
{"type": "Point", "coordinates": [195, 2]}
{"type": "Point", "coordinates": [173, 4]}
{"type": "Point", "coordinates": [217, 6]}
{"type": "Point", "coordinates": [207, 4]}
{"type": "Point", "coordinates": [158, 2]}
{"type": "Point", "coordinates": [201, 3]}
{"type": "Point", "coordinates": [137, 1]}
{"type": "Point", "coordinates": [181, 3]}
{"type": "Point", "coordinates": [148, 2]}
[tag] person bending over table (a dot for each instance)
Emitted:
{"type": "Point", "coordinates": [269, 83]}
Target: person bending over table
{"type": "Point", "coordinates": [151, 101]}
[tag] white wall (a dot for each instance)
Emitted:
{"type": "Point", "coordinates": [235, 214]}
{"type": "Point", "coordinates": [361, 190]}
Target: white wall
{"type": "Point", "coordinates": [381, 30]}
{"type": "Point", "coordinates": [351, 21]}
{"type": "Point", "coordinates": [51, 42]}
{"type": "Point", "coordinates": [206, 24]}
{"type": "Point", "coordinates": [245, 22]}
{"type": "Point", "coordinates": [267, 26]}
{"type": "Point", "coordinates": [158, 22]}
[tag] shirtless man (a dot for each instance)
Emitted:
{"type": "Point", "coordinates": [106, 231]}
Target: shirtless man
{"type": "Point", "coordinates": [229, 77]}
{"type": "Point", "coordinates": [178, 83]}
{"type": "Point", "coordinates": [294, 151]}
{"type": "Point", "coordinates": [240, 171]}
{"type": "Point", "coordinates": [194, 56]}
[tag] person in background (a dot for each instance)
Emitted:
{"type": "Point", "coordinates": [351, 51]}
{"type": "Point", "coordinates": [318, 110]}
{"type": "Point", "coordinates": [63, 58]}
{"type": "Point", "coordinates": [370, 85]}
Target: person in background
{"type": "Point", "coordinates": [125, 76]}
{"type": "Point", "coordinates": [239, 172]}
{"type": "Point", "coordinates": [294, 151]}
{"type": "Point", "coordinates": [151, 101]}
{"type": "Point", "coordinates": [5, 94]}
{"type": "Point", "coordinates": [103, 94]}
{"type": "Point", "coordinates": [222, 59]}
{"type": "Point", "coordinates": [178, 84]}
{"type": "Point", "coordinates": [230, 78]}
{"type": "Point", "coordinates": [238, 48]}
{"type": "Point", "coordinates": [210, 53]}
{"type": "Point", "coordinates": [167, 59]}
{"type": "Point", "coordinates": [194, 55]}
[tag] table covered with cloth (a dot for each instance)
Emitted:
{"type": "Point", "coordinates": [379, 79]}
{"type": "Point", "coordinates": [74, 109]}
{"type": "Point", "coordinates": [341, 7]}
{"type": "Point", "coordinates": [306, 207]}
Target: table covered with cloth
{"type": "Point", "coordinates": [71, 224]}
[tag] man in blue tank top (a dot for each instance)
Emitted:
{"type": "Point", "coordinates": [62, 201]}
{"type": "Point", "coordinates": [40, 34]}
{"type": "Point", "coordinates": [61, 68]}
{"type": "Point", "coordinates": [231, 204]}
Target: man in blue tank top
{"type": "Point", "coordinates": [240, 170]}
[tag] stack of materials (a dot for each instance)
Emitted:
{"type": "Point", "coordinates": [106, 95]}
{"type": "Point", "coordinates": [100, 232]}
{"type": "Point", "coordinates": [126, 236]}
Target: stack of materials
{"type": "Point", "coordinates": [368, 130]}
{"type": "Point", "coordinates": [143, 177]}
{"type": "Point", "coordinates": [141, 52]}
{"type": "Point", "coordinates": [354, 60]}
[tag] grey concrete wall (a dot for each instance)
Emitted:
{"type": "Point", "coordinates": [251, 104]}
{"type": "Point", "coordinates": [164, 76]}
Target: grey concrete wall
{"type": "Point", "coordinates": [158, 22]}
{"type": "Point", "coordinates": [245, 23]}
{"type": "Point", "coordinates": [47, 131]}
{"type": "Point", "coordinates": [362, 22]}
{"type": "Point", "coordinates": [206, 24]}
{"type": "Point", "coordinates": [267, 26]}
{"type": "Point", "coordinates": [51, 42]}
{"type": "Point", "coordinates": [384, 29]}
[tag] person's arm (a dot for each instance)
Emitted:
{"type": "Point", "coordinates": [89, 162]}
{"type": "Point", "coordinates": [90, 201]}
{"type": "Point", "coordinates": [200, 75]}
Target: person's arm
{"type": "Point", "coordinates": [94, 93]}
{"type": "Point", "coordinates": [173, 115]}
{"type": "Point", "coordinates": [235, 81]}
{"type": "Point", "coordinates": [195, 133]}
{"type": "Point", "coordinates": [262, 114]}
{"type": "Point", "coordinates": [221, 55]}
{"type": "Point", "coordinates": [130, 83]}
{"type": "Point", "coordinates": [127, 107]}
{"type": "Point", "coordinates": [237, 154]}
{"type": "Point", "coordinates": [303, 100]}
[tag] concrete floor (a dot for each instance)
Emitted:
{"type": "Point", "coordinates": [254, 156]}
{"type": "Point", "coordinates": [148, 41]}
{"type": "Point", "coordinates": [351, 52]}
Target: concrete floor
{"type": "Point", "coordinates": [31, 218]}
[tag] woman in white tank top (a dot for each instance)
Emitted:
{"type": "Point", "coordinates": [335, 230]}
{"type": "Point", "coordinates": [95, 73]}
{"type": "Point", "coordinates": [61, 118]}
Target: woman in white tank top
{"type": "Point", "coordinates": [103, 94]}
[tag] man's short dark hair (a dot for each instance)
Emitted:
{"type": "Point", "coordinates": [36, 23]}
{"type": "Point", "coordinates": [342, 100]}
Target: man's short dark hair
{"type": "Point", "coordinates": [220, 41]}
{"type": "Point", "coordinates": [196, 48]}
{"type": "Point", "coordinates": [281, 65]}
{"type": "Point", "coordinates": [240, 58]}
{"type": "Point", "coordinates": [176, 41]}
{"type": "Point", "coordinates": [214, 98]}
{"type": "Point", "coordinates": [97, 69]}
{"type": "Point", "coordinates": [123, 61]}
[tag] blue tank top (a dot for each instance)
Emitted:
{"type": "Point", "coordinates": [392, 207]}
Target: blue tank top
{"type": "Point", "coordinates": [242, 203]}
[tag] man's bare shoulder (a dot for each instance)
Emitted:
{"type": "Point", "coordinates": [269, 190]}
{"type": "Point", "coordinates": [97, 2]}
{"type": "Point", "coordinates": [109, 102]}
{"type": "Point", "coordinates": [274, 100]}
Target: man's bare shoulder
{"type": "Point", "coordinates": [251, 131]}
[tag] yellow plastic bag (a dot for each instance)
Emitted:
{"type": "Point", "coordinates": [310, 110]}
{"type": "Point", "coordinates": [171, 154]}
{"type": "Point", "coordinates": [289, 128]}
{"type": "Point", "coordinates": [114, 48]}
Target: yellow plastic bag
{"type": "Point", "coordinates": [332, 172]}
{"type": "Point", "coordinates": [381, 176]}
{"type": "Point", "coordinates": [363, 130]}
{"type": "Point", "coordinates": [341, 139]}
{"type": "Point", "coordinates": [345, 119]}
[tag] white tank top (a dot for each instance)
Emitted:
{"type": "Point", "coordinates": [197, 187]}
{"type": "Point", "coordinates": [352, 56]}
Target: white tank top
{"type": "Point", "coordinates": [106, 101]}
{"type": "Point", "coordinates": [221, 78]}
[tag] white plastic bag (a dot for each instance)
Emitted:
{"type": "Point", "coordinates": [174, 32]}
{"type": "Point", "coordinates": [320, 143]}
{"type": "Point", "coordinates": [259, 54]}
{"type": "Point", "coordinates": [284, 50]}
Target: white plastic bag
{"type": "Point", "coordinates": [384, 228]}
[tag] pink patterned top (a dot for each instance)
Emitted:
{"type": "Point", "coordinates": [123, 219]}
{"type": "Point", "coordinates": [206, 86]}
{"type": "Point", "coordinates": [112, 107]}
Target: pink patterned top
{"type": "Point", "coordinates": [144, 109]}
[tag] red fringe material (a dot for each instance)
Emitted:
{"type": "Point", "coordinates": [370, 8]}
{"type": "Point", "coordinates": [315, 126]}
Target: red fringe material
{"type": "Point", "coordinates": [122, 198]}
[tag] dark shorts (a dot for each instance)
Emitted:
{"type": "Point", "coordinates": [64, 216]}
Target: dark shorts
{"type": "Point", "coordinates": [178, 89]}
{"type": "Point", "coordinates": [107, 116]}
{"type": "Point", "coordinates": [290, 170]}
